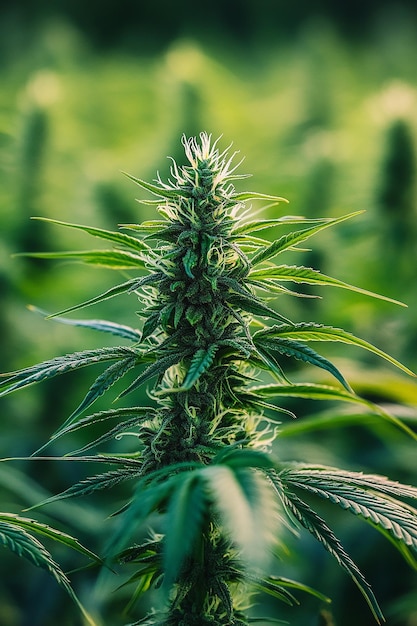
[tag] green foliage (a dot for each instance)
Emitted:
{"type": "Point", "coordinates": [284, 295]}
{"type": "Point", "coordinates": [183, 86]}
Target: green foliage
{"type": "Point", "coordinates": [16, 533]}
{"type": "Point", "coordinates": [202, 460]}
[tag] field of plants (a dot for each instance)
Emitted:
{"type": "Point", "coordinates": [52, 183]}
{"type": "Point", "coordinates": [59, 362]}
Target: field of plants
{"type": "Point", "coordinates": [327, 121]}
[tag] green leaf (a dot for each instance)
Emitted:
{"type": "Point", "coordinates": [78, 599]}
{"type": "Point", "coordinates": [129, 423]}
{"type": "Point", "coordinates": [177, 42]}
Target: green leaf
{"type": "Point", "coordinates": [317, 332]}
{"type": "Point", "coordinates": [22, 543]}
{"type": "Point", "coordinates": [61, 365]}
{"type": "Point", "coordinates": [161, 192]}
{"type": "Point", "coordinates": [149, 226]}
{"type": "Point", "coordinates": [155, 369]}
{"type": "Point", "coordinates": [300, 351]}
{"type": "Point", "coordinates": [321, 531]}
{"type": "Point", "coordinates": [294, 584]}
{"type": "Point", "coordinates": [256, 225]}
{"type": "Point", "coordinates": [189, 262]}
{"type": "Point", "coordinates": [101, 325]}
{"type": "Point", "coordinates": [254, 195]}
{"type": "Point", "coordinates": [200, 363]}
{"type": "Point", "coordinates": [51, 533]}
{"type": "Point", "coordinates": [150, 494]}
{"type": "Point", "coordinates": [263, 359]}
{"type": "Point", "coordinates": [300, 274]}
{"type": "Point", "coordinates": [142, 413]}
{"type": "Point", "coordinates": [291, 239]}
{"type": "Point", "coordinates": [126, 287]}
{"type": "Point", "coordinates": [92, 484]}
{"type": "Point", "coordinates": [313, 391]}
{"type": "Point", "coordinates": [364, 496]}
{"type": "Point", "coordinates": [108, 378]}
{"type": "Point", "coordinates": [115, 236]}
{"type": "Point", "coordinates": [253, 305]}
{"type": "Point", "coordinates": [245, 458]}
{"type": "Point", "coordinates": [243, 500]}
{"type": "Point", "coordinates": [185, 517]}
{"type": "Point", "coordinates": [274, 589]}
{"type": "Point", "coordinates": [113, 259]}
{"type": "Point", "coordinates": [115, 433]}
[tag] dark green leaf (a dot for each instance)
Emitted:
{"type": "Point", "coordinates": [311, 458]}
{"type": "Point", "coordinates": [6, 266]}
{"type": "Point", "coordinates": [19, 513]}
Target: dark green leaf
{"type": "Point", "coordinates": [253, 305]}
{"type": "Point", "coordinates": [309, 331]}
{"type": "Point", "coordinates": [34, 526]}
{"type": "Point", "coordinates": [185, 517]}
{"type": "Point", "coordinates": [200, 363]}
{"type": "Point", "coordinates": [300, 351]}
{"type": "Point", "coordinates": [108, 378]}
{"type": "Point", "coordinates": [101, 325]}
{"type": "Point", "coordinates": [321, 531]}
{"type": "Point", "coordinates": [61, 365]}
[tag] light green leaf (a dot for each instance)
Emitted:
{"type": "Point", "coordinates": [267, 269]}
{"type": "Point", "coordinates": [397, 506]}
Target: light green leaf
{"type": "Point", "coordinates": [252, 304]}
{"type": "Point", "coordinates": [254, 195]}
{"type": "Point", "coordinates": [138, 412]}
{"type": "Point", "coordinates": [300, 274]}
{"type": "Point", "coordinates": [161, 192]}
{"type": "Point", "coordinates": [115, 236]}
{"type": "Point", "coordinates": [126, 287]}
{"type": "Point", "coordinates": [246, 508]}
{"type": "Point", "coordinates": [313, 391]}
{"type": "Point", "coordinates": [294, 584]}
{"type": "Point", "coordinates": [246, 458]}
{"type": "Point", "coordinates": [108, 378]}
{"type": "Point", "coordinates": [92, 484]}
{"type": "Point", "coordinates": [113, 259]}
{"type": "Point", "coordinates": [366, 497]}
{"type": "Point", "coordinates": [155, 369]}
{"type": "Point", "coordinates": [150, 226]}
{"type": "Point", "coordinates": [256, 225]}
{"type": "Point", "coordinates": [274, 589]}
{"type": "Point", "coordinates": [185, 517]}
{"type": "Point", "coordinates": [291, 239]}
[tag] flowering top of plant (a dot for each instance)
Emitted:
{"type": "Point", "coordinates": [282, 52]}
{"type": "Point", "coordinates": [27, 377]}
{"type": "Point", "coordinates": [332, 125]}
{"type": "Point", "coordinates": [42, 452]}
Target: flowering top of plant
{"type": "Point", "coordinates": [204, 458]}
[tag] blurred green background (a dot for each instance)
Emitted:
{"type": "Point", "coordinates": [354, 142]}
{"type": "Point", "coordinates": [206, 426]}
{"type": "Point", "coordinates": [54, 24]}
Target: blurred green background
{"type": "Point", "coordinates": [321, 99]}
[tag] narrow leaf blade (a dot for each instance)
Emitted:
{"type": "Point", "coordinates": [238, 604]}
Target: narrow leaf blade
{"type": "Point", "coordinates": [115, 236]}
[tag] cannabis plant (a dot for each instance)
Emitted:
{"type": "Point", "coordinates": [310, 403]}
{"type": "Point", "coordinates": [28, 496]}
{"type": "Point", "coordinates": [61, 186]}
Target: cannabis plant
{"type": "Point", "coordinates": [211, 353]}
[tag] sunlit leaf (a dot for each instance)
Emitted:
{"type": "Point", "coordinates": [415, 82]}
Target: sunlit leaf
{"type": "Point", "coordinates": [113, 259]}
{"type": "Point", "coordinates": [115, 236]}
{"type": "Point", "coordinates": [288, 241]}
{"type": "Point", "coordinates": [300, 274]}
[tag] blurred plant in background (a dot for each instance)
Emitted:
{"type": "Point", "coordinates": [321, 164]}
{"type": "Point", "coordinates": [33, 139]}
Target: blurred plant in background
{"type": "Point", "coordinates": [329, 98]}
